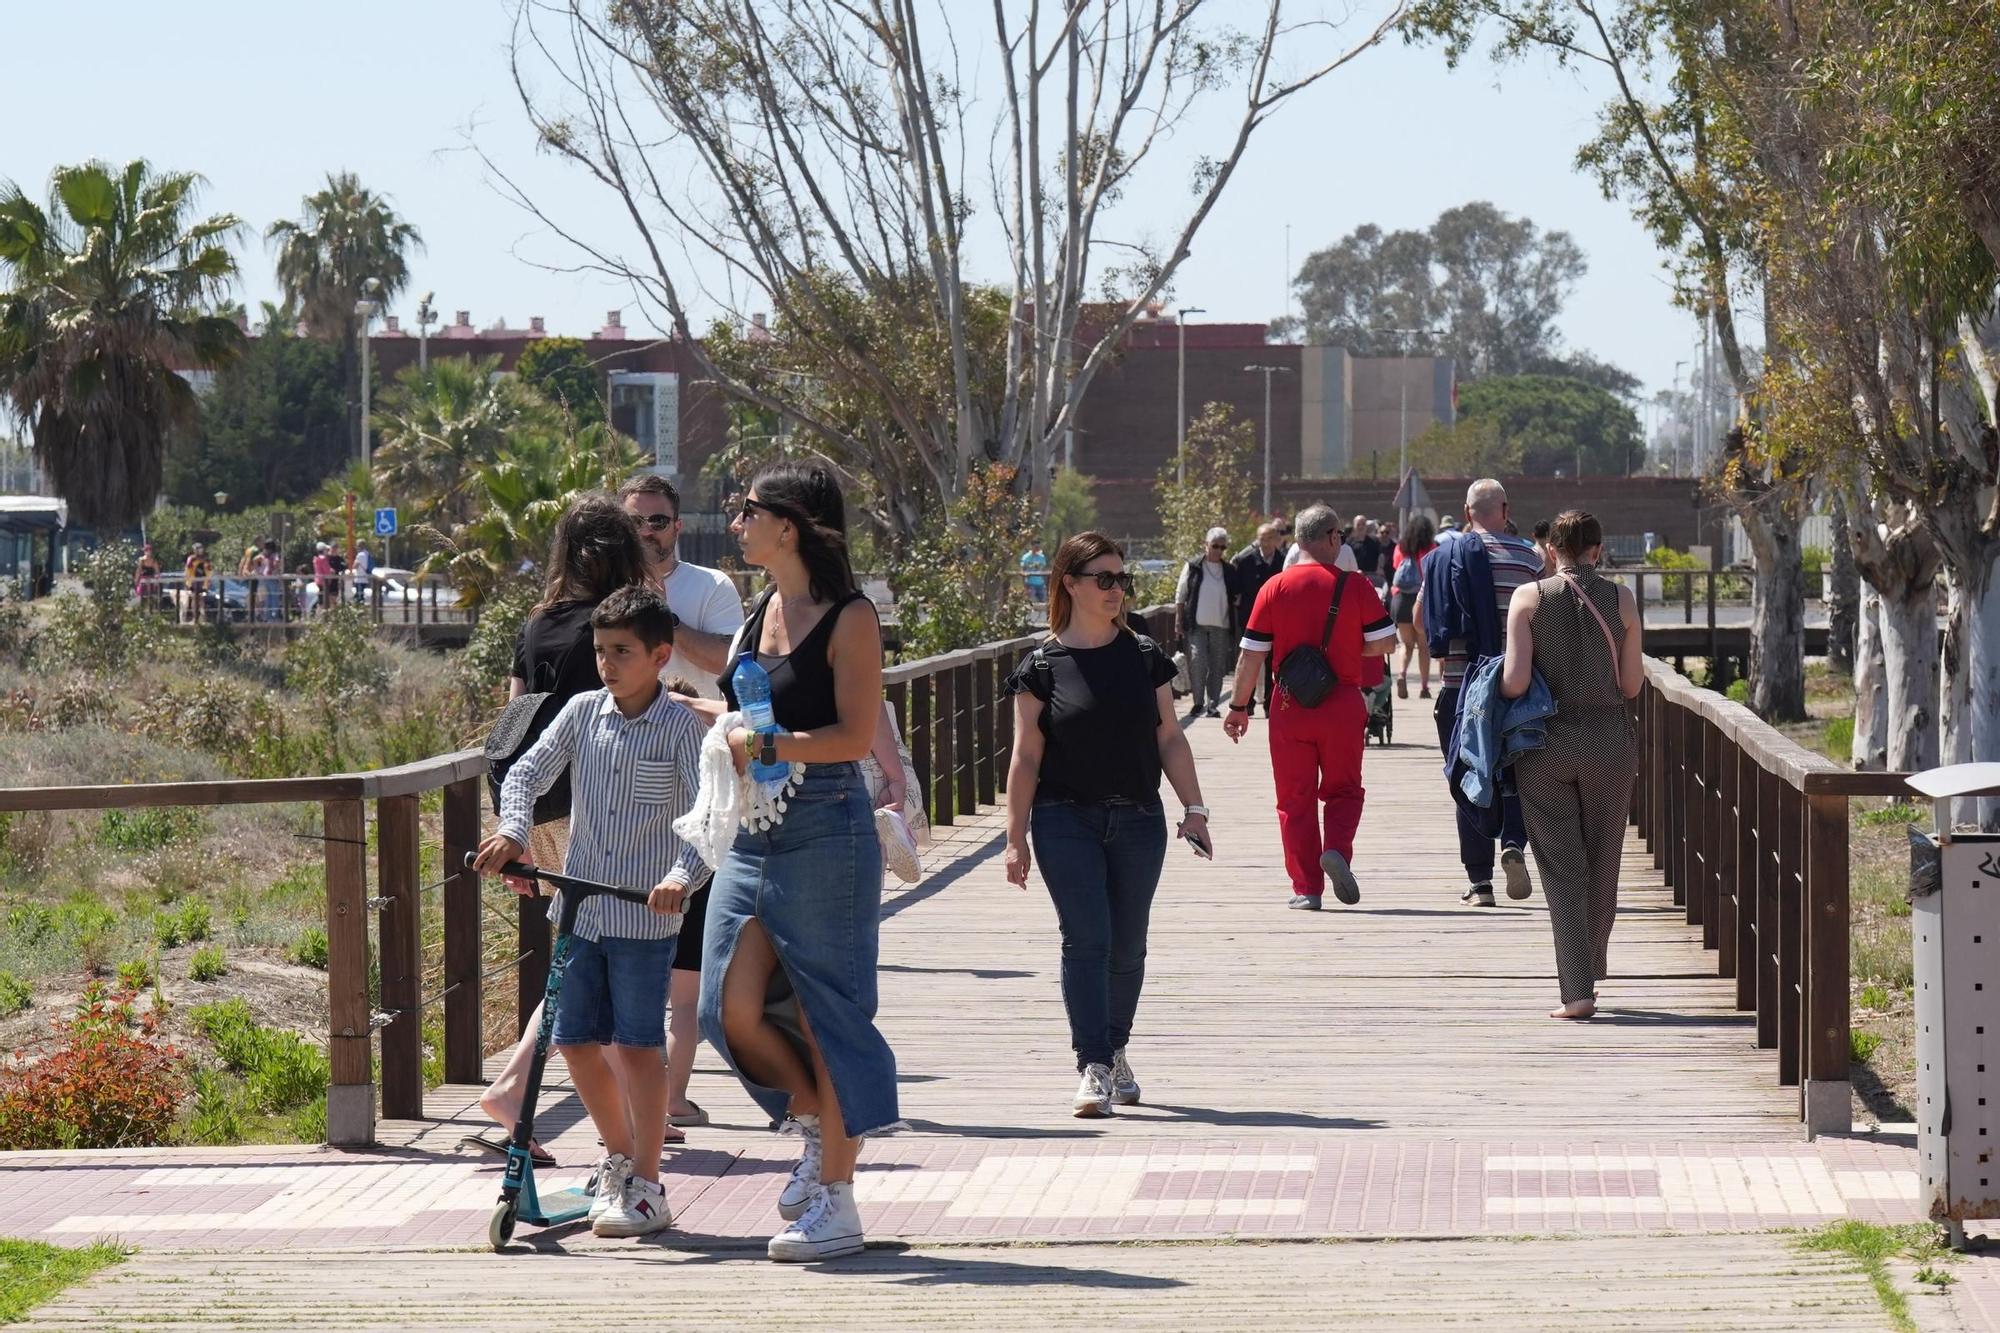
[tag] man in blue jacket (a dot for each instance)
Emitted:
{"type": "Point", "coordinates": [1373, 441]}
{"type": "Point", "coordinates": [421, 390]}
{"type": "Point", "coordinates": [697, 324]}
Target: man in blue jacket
{"type": "Point", "coordinates": [1462, 609]}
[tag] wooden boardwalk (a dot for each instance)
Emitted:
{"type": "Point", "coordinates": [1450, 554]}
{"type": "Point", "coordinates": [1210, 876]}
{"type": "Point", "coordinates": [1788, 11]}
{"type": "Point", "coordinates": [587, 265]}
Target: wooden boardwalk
{"type": "Point", "coordinates": [1410, 1014]}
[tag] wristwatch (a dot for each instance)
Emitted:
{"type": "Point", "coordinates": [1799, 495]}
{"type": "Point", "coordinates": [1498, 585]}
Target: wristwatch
{"type": "Point", "coordinates": [1201, 810]}
{"type": "Point", "coordinates": [767, 747]}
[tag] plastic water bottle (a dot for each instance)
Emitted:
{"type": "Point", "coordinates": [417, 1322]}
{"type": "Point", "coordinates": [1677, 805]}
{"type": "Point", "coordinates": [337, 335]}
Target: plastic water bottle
{"type": "Point", "coordinates": [753, 698]}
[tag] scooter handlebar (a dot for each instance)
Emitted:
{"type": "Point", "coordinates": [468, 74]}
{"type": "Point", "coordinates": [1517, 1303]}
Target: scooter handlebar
{"type": "Point", "coordinates": [580, 887]}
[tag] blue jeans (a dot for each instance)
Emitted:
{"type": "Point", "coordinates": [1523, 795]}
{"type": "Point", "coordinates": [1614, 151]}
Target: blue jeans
{"type": "Point", "coordinates": [1475, 847]}
{"type": "Point", "coordinates": [614, 992]}
{"type": "Point", "coordinates": [1102, 865]}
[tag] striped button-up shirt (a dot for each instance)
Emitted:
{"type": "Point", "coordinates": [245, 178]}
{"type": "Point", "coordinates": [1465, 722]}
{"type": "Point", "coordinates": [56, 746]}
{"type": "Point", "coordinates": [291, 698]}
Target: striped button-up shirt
{"type": "Point", "coordinates": [630, 779]}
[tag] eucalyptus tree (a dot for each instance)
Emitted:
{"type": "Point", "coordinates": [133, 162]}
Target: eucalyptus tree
{"type": "Point", "coordinates": [111, 291]}
{"type": "Point", "coordinates": [815, 154]}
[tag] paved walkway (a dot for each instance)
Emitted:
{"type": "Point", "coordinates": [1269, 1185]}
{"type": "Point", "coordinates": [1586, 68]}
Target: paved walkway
{"type": "Point", "coordinates": [1376, 1072]}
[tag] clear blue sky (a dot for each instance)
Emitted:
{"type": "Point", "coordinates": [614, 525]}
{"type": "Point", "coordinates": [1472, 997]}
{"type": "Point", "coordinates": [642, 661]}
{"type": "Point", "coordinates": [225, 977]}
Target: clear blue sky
{"type": "Point", "coordinates": [264, 99]}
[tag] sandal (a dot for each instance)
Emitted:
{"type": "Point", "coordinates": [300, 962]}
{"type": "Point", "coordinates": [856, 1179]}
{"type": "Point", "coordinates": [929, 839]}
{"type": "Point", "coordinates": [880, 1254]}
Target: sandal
{"type": "Point", "coordinates": [693, 1119]}
{"type": "Point", "coordinates": [498, 1148]}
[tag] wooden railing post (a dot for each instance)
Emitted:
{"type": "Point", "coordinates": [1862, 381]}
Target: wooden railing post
{"type": "Point", "coordinates": [350, 1095]}
{"type": "Point", "coordinates": [1791, 920]}
{"type": "Point", "coordinates": [1745, 827]}
{"type": "Point", "coordinates": [1826, 1094]}
{"type": "Point", "coordinates": [464, 1041]}
{"type": "Point", "coordinates": [399, 929]}
{"type": "Point", "coordinates": [984, 692]}
{"type": "Point", "coordinates": [944, 734]}
{"type": "Point", "coordinates": [966, 731]}
{"type": "Point", "coordinates": [921, 743]}
{"type": "Point", "coordinates": [1770, 868]}
{"type": "Point", "coordinates": [1721, 921]}
{"type": "Point", "coordinates": [1708, 837]}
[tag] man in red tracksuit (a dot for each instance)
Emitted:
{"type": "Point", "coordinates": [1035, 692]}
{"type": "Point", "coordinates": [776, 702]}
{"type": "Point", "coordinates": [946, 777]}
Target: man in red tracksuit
{"type": "Point", "coordinates": [1315, 752]}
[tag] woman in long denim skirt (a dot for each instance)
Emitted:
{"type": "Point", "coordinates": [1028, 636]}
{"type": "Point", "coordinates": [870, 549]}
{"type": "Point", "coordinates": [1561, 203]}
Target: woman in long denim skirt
{"type": "Point", "coordinates": [788, 973]}
{"type": "Point", "coordinates": [1094, 727]}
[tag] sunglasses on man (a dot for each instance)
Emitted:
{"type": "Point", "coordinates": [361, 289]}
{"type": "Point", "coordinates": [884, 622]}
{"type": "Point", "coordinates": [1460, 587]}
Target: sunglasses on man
{"type": "Point", "coordinates": [1106, 580]}
{"type": "Point", "coordinates": [656, 522]}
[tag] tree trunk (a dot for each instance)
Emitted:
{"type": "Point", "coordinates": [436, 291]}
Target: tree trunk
{"type": "Point", "coordinates": [1871, 701]}
{"type": "Point", "coordinates": [1843, 597]}
{"type": "Point", "coordinates": [1777, 617]}
{"type": "Point", "coordinates": [1969, 712]}
{"type": "Point", "coordinates": [1910, 668]}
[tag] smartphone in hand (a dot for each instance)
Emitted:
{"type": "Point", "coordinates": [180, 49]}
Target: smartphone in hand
{"type": "Point", "coordinates": [1198, 843]}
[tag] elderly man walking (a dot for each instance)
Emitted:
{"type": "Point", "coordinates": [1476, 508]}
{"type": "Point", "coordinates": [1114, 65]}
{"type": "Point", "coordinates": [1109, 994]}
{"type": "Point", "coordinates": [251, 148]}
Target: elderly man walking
{"type": "Point", "coordinates": [1314, 610]}
{"type": "Point", "coordinates": [1205, 617]}
{"type": "Point", "coordinates": [1468, 583]}
{"type": "Point", "coordinates": [1256, 565]}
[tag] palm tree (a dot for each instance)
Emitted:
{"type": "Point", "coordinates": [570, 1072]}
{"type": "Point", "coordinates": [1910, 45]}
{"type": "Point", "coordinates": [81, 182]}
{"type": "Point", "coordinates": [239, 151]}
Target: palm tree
{"type": "Point", "coordinates": [437, 425]}
{"type": "Point", "coordinates": [111, 289]}
{"type": "Point", "coordinates": [346, 236]}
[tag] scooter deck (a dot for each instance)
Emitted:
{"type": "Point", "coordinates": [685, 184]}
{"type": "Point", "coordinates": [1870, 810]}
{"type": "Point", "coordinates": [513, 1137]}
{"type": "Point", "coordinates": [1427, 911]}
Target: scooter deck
{"type": "Point", "coordinates": [558, 1208]}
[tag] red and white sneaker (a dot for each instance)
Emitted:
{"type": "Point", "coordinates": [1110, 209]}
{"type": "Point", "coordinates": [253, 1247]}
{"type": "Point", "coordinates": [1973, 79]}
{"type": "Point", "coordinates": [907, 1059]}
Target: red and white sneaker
{"type": "Point", "coordinates": [641, 1211]}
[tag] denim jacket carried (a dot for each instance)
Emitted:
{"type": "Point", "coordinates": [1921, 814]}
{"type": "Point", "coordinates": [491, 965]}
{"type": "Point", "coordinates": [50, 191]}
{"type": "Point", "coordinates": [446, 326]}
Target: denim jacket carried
{"type": "Point", "coordinates": [1493, 731]}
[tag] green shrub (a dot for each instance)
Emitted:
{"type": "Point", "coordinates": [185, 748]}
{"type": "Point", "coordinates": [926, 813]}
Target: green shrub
{"type": "Point", "coordinates": [167, 929]}
{"type": "Point", "coordinates": [337, 659]}
{"type": "Point", "coordinates": [1861, 1045]}
{"type": "Point", "coordinates": [31, 923]}
{"type": "Point", "coordinates": [195, 921]}
{"type": "Point", "coordinates": [301, 886]}
{"type": "Point", "coordinates": [309, 1121]}
{"type": "Point", "coordinates": [310, 948]}
{"type": "Point", "coordinates": [1814, 560]}
{"type": "Point", "coordinates": [135, 975]}
{"type": "Point", "coordinates": [1889, 816]}
{"type": "Point", "coordinates": [1836, 738]}
{"type": "Point", "coordinates": [207, 963]}
{"type": "Point", "coordinates": [1873, 997]}
{"type": "Point", "coordinates": [14, 995]}
{"type": "Point", "coordinates": [1739, 691]}
{"type": "Point", "coordinates": [281, 1070]}
{"type": "Point", "coordinates": [147, 830]}
{"type": "Point", "coordinates": [217, 1116]}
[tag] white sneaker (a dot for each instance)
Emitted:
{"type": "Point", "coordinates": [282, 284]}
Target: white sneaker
{"type": "Point", "coordinates": [1093, 1093]}
{"type": "Point", "coordinates": [829, 1228]}
{"type": "Point", "coordinates": [1516, 866]}
{"type": "Point", "coordinates": [641, 1211]}
{"type": "Point", "coordinates": [899, 846]}
{"type": "Point", "coordinates": [797, 1196]}
{"type": "Point", "coordinates": [1124, 1085]}
{"type": "Point", "coordinates": [611, 1175]}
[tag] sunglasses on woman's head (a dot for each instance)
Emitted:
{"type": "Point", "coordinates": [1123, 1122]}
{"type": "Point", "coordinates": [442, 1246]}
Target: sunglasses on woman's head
{"type": "Point", "coordinates": [1106, 580]}
{"type": "Point", "coordinates": [751, 507]}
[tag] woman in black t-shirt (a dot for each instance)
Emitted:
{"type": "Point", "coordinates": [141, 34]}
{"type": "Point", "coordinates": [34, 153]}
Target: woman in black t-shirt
{"type": "Point", "coordinates": [1094, 728]}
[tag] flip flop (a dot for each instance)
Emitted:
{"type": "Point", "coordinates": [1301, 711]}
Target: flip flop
{"type": "Point", "coordinates": [498, 1148]}
{"type": "Point", "coordinates": [694, 1119]}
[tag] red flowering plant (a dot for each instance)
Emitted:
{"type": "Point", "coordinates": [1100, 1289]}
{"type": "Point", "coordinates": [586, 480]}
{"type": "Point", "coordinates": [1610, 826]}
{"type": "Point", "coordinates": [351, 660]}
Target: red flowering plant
{"type": "Point", "coordinates": [103, 1080]}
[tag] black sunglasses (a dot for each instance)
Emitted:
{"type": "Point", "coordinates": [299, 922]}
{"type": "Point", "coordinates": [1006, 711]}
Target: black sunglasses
{"type": "Point", "coordinates": [656, 522]}
{"type": "Point", "coordinates": [755, 507]}
{"type": "Point", "coordinates": [1106, 580]}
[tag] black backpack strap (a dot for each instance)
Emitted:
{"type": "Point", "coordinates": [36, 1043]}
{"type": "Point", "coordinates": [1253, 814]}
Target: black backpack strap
{"type": "Point", "coordinates": [1333, 610]}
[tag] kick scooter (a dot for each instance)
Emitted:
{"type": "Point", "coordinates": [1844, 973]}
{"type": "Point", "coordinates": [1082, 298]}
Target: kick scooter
{"type": "Point", "coordinates": [519, 1201]}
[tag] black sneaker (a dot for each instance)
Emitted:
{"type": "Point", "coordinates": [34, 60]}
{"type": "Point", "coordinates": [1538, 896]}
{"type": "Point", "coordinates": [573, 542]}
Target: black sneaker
{"type": "Point", "coordinates": [1479, 895]}
{"type": "Point", "coordinates": [1516, 867]}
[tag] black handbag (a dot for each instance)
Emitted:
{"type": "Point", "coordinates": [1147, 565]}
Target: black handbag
{"type": "Point", "coordinates": [520, 724]}
{"type": "Point", "coordinates": [1305, 673]}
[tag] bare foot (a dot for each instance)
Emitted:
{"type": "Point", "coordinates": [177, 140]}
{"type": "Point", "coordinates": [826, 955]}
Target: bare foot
{"type": "Point", "coordinates": [499, 1111]}
{"type": "Point", "coordinates": [1580, 1009]}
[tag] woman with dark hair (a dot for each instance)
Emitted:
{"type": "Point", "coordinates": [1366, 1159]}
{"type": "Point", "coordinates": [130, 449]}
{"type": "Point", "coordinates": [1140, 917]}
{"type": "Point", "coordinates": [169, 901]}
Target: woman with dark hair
{"type": "Point", "coordinates": [1582, 634]}
{"type": "Point", "coordinates": [1406, 579]}
{"type": "Point", "coordinates": [788, 971]}
{"type": "Point", "coordinates": [1094, 728]}
{"type": "Point", "coordinates": [595, 553]}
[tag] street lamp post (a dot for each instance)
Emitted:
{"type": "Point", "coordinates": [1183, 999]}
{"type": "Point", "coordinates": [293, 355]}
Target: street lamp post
{"type": "Point", "coordinates": [1267, 372]}
{"type": "Point", "coordinates": [365, 310]}
{"type": "Point", "coordinates": [1180, 393]}
{"type": "Point", "coordinates": [426, 316]}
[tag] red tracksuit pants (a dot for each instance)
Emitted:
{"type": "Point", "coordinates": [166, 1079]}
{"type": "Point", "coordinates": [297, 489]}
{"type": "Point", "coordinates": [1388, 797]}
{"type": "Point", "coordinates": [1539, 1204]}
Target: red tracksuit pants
{"type": "Point", "coordinates": [1316, 761]}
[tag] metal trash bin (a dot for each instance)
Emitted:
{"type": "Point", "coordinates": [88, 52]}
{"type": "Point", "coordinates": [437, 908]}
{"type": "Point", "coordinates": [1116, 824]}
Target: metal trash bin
{"type": "Point", "coordinates": [1955, 940]}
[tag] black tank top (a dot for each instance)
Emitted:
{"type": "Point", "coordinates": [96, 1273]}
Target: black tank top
{"type": "Point", "coordinates": [802, 697]}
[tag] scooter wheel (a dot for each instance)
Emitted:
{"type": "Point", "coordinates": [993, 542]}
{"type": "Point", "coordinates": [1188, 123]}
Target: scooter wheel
{"type": "Point", "coordinates": [500, 1228]}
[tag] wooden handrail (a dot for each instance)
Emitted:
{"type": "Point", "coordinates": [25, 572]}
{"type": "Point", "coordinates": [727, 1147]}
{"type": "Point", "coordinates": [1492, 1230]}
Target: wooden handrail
{"type": "Point", "coordinates": [403, 780]}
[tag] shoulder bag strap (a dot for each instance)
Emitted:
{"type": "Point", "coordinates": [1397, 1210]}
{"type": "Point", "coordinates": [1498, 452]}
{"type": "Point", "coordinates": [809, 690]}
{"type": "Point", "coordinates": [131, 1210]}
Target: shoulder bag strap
{"type": "Point", "coordinates": [1333, 610]}
{"type": "Point", "coordinates": [1576, 586]}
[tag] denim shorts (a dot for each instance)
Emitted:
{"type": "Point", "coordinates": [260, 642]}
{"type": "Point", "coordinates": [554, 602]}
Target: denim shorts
{"type": "Point", "coordinates": [614, 991]}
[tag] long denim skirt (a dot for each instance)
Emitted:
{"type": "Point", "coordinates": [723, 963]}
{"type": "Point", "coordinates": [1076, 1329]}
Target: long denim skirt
{"type": "Point", "coordinates": [814, 882]}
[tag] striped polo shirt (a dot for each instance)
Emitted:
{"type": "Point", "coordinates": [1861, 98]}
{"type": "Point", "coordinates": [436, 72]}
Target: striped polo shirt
{"type": "Point", "coordinates": [630, 779]}
{"type": "Point", "coordinates": [1514, 561]}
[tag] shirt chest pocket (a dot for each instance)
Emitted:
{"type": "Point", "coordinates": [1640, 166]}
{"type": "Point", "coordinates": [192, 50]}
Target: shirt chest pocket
{"type": "Point", "coordinates": [653, 782]}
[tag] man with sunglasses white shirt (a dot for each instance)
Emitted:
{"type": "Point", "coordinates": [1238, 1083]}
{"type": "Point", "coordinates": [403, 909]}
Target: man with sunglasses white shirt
{"type": "Point", "coordinates": [704, 601]}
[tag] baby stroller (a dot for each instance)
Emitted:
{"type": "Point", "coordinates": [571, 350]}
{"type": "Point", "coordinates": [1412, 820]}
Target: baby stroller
{"type": "Point", "coordinates": [1381, 711]}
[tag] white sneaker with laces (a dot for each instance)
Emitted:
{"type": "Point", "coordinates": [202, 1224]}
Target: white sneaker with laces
{"type": "Point", "coordinates": [1093, 1093]}
{"type": "Point", "coordinates": [829, 1228]}
{"type": "Point", "coordinates": [797, 1196]}
{"type": "Point", "coordinates": [1124, 1084]}
{"type": "Point", "coordinates": [899, 846]}
{"type": "Point", "coordinates": [612, 1173]}
{"type": "Point", "coordinates": [641, 1210]}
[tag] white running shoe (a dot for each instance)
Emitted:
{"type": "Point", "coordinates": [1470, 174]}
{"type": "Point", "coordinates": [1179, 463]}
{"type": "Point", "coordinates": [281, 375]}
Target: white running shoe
{"type": "Point", "coordinates": [641, 1211]}
{"type": "Point", "coordinates": [1124, 1084]}
{"type": "Point", "coordinates": [612, 1173]}
{"type": "Point", "coordinates": [1093, 1093]}
{"type": "Point", "coordinates": [829, 1228]}
{"type": "Point", "coordinates": [797, 1196]}
{"type": "Point", "coordinates": [899, 846]}
{"type": "Point", "coordinates": [1516, 867]}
